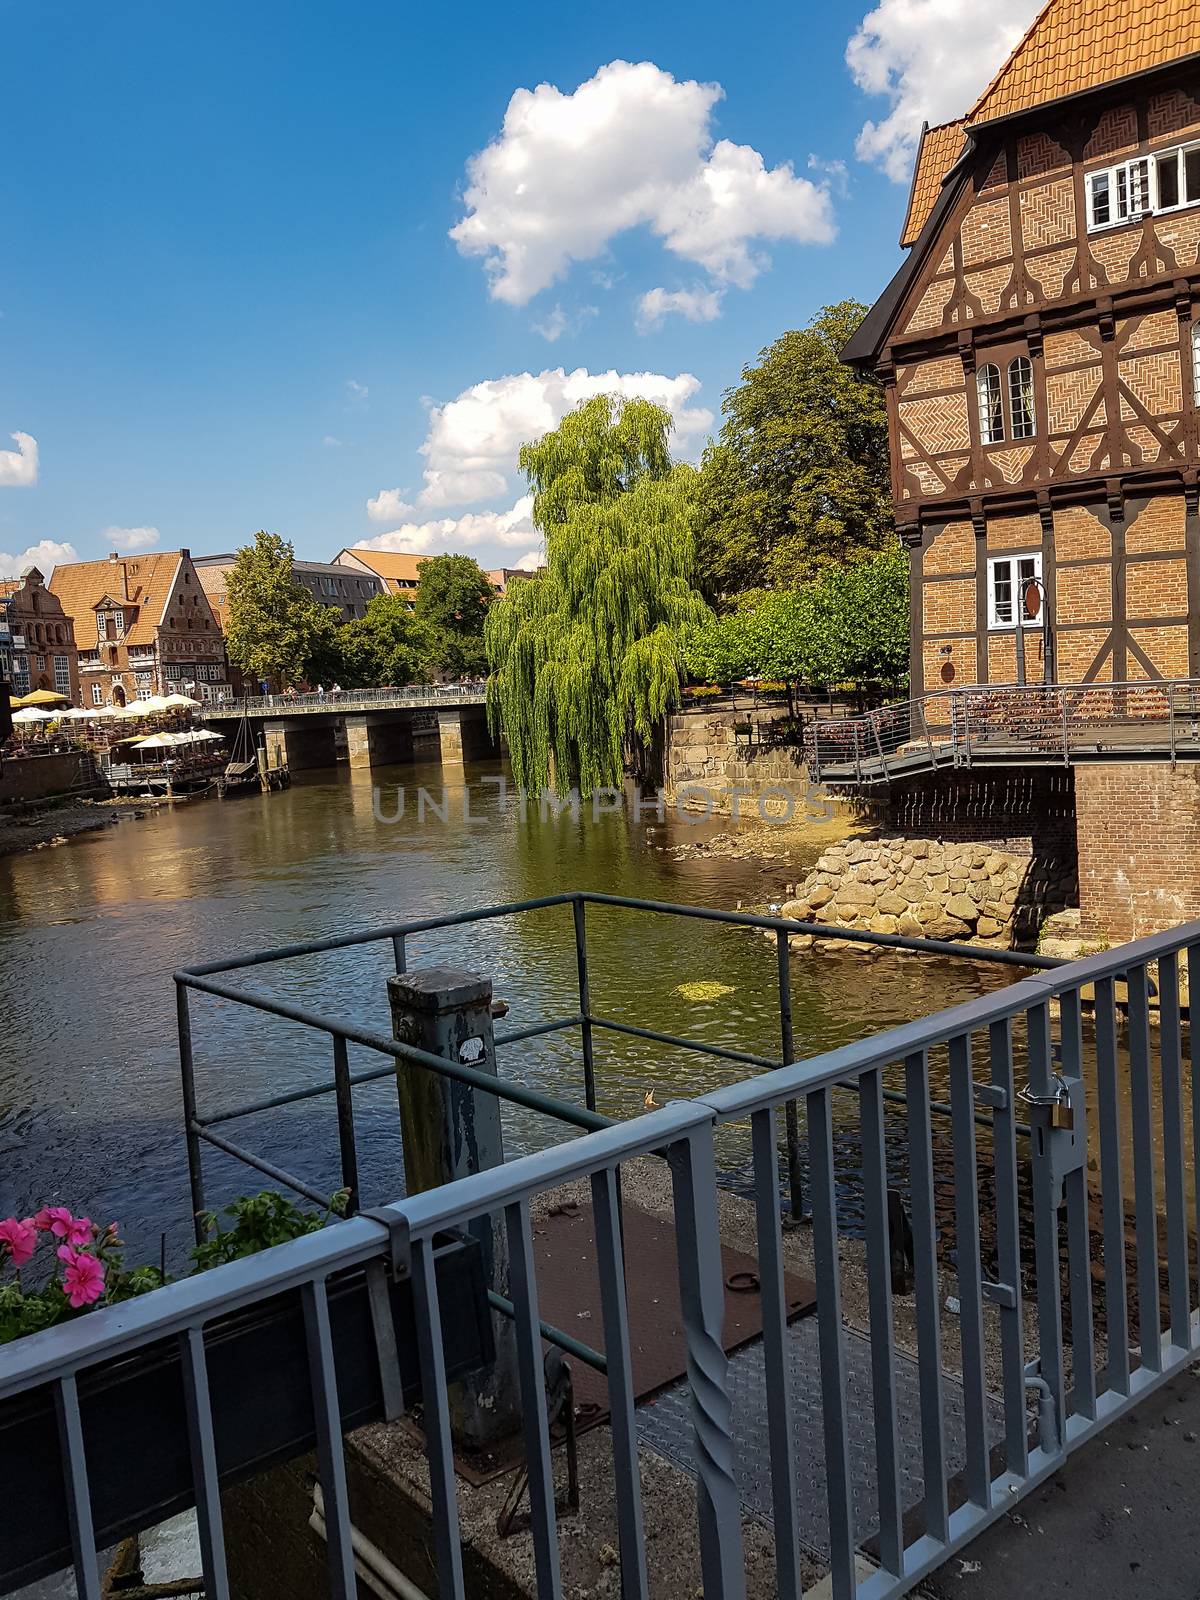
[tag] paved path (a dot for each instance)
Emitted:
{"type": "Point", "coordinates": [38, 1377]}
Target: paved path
{"type": "Point", "coordinates": [1118, 1522]}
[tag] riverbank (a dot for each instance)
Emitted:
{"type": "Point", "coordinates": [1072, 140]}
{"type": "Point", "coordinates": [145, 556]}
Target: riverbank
{"type": "Point", "coordinates": [47, 827]}
{"type": "Point", "coordinates": [787, 851]}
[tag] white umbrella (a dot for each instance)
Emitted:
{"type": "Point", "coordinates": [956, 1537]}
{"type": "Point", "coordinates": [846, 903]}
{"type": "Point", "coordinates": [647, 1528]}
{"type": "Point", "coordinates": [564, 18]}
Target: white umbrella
{"type": "Point", "coordinates": [32, 714]}
{"type": "Point", "coordinates": [157, 741]}
{"type": "Point", "coordinates": [181, 702]}
{"type": "Point", "coordinates": [203, 735]}
{"type": "Point", "coordinates": [79, 714]}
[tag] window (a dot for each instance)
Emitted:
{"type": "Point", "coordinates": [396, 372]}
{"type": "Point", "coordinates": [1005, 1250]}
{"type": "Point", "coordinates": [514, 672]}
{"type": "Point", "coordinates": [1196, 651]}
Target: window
{"type": "Point", "coordinates": [1020, 397]}
{"type": "Point", "coordinates": [1164, 181]}
{"type": "Point", "coordinates": [120, 622]}
{"type": "Point", "coordinates": [991, 407]}
{"type": "Point", "coordinates": [97, 694]}
{"type": "Point", "coordinates": [62, 674]}
{"type": "Point", "coordinates": [1008, 577]}
{"type": "Point", "coordinates": [145, 694]}
{"type": "Point", "coordinates": [39, 662]}
{"type": "Point", "coordinates": [1196, 363]}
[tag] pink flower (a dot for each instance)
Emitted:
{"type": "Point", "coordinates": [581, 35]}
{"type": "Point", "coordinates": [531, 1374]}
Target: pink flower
{"type": "Point", "coordinates": [20, 1235]}
{"type": "Point", "coordinates": [83, 1281]}
{"type": "Point", "coordinates": [59, 1221]}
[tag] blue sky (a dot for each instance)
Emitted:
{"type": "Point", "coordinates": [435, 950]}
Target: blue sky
{"type": "Point", "coordinates": [229, 297]}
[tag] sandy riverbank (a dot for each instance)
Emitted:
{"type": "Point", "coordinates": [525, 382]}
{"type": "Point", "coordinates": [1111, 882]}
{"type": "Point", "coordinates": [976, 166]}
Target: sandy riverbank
{"type": "Point", "coordinates": [787, 850]}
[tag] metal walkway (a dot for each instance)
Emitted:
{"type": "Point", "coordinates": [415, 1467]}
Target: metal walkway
{"type": "Point", "coordinates": [665, 1425]}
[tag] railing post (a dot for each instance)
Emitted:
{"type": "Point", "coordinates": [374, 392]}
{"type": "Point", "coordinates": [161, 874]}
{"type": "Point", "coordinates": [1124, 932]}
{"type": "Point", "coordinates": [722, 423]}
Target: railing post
{"type": "Point", "coordinates": [343, 1095]}
{"type": "Point", "coordinates": [187, 1075]}
{"type": "Point", "coordinates": [1062, 695]}
{"type": "Point", "coordinates": [585, 1002]}
{"type": "Point", "coordinates": [791, 1120]}
{"type": "Point", "coordinates": [702, 1297]}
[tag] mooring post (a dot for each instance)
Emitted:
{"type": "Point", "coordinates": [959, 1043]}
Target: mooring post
{"type": "Point", "coordinates": [449, 1130]}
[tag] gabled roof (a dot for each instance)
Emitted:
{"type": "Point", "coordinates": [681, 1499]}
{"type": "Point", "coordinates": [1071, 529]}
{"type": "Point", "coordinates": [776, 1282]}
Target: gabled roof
{"type": "Point", "coordinates": [1073, 45]}
{"type": "Point", "coordinates": [939, 149]}
{"type": "Point", "coordinates": [393, 566]}
{"type": "Point", "coordinates": [140, 582]}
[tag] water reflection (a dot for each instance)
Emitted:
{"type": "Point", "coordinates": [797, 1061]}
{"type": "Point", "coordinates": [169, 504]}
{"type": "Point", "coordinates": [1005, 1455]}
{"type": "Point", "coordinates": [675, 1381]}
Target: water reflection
{"type": "Point", "coordinates": [89, 934]}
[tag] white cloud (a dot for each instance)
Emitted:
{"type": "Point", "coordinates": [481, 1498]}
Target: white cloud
{"type": "Point", "coordinates": [631, 147]}
{"type": "Point", "coordinates": [553, 325]}
{"type": "Point", "coordinates": [331, 443]}
{"type": "Point", "coordinates": [45, 555]}
{"type": "Point", "coordinates": [130, 538]}
{"type": "Point", "coordinates": [473, 440]}
{"type": "Point", "coordinates": [833, 172]}
{"type": "Point", "coordinates": [932, 59]}
{"type": "Point", "coordinates": [694, 305]}
{"type": "Point", "coordinates": [531, 560]}
{"type": "Point", "coordinates": [19, 467]}
{"type": "Point", "coordinates": [357, 391]}
{"type": "Point", "coordinates": [497, 528]}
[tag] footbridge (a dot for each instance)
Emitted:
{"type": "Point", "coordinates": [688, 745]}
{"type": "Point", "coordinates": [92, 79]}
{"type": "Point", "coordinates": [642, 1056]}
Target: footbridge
{"type": "Point", "coordinates": [367, 727]}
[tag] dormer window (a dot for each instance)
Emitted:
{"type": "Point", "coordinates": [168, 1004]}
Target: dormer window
{"type": "Point", "coordinates": [1165, 181]}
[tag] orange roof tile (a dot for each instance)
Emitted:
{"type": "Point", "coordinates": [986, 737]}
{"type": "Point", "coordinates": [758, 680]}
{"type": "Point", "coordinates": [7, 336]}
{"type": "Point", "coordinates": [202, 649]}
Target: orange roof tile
{"type": "Point", "coordinates": [940, 148]}
{"type": "Point", "coordinates": [1073, 45]}
{"type": "Point", "coordinates": [143, 581]}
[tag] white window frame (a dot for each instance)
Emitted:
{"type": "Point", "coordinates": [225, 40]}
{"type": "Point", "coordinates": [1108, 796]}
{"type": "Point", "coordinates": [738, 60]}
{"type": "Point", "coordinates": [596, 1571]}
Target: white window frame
{"type": "Point", "coordinates": [984, 393]}
{"type": "Point", "coordinates": [97, 694]}
{"type": "Point", "coordinates": [1027, 427]}
{"type": "Point", "coordinates": [1139, 173]}
{"type": "Point", "coordinates": [1032, 561]}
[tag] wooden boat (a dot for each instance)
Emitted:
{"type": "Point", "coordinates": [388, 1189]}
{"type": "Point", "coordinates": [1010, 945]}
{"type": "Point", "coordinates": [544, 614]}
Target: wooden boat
{"type": "Point", "coordinates": [241, 775]}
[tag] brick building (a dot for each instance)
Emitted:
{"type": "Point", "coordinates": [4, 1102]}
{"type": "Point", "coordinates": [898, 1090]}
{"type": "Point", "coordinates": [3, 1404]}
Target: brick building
{"type": "Point", "coordinates": [347, 593]}
{"type": "Point", "coordinates": [1040, 352]}
{"type": "Point", "coordinates": [399, 572]}
{"type": "Point", "coordinates": [37, 638]}
{"type": "Point", "coordinates": [1040, 349]}
{"type": "Point", "coordinates": [144, 626]}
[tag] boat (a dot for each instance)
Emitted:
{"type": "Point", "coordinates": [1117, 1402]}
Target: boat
{"type": "Point", "coordinates": [241, 775]}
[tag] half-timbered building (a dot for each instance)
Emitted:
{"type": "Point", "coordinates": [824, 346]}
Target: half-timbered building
{"type": "Point", "coordinates": [1040, 348]}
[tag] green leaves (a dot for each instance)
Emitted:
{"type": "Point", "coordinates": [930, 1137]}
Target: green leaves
{"type": "Point", "coordinates": [586, 657]}
{"type": "Point", "coordinates": [259, 1221]}
{"type": "Point", "coordinates": [800, 478]}
{"type": "Point", "coordinates": [277, 631]}
{"type": "Point", "coordinates": [453, 594]}
{"type": "Point", "coordinates": [849, 625]}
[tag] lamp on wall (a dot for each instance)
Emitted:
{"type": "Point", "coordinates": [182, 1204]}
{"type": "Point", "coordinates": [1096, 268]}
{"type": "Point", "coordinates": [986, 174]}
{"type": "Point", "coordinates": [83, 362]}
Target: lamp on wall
{"type": "Point", "coordinates": [947, 673]}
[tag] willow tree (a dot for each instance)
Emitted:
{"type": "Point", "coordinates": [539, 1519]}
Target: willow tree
{"type": "Point", "coordinates": [586, 656]}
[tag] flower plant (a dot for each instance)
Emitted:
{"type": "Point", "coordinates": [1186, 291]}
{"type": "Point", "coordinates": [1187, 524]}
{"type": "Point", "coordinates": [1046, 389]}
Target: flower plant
{"type": "Point", "coordinates": [55, 1266]}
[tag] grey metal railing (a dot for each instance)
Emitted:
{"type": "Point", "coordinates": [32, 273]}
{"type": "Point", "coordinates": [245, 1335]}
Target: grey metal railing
{"type": "Point", "coordinates": [414, 697]}
{"type": "Point", "coordinates": [1054, 722]}
{"type": "Point", "coordinates": [1087, 1354]}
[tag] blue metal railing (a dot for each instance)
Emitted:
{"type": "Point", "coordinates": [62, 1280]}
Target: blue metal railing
{"type": "Point", "coordinates": [1056, 1389]}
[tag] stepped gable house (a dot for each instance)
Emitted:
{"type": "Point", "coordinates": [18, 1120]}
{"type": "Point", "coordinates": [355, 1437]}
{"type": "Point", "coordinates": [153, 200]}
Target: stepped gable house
{"type": "Point", "coordinates": [37, 638]}
{"type": "Point", "coordinates": [144, 626]}
{"type": "Point", "coordinates": [1041, 353]}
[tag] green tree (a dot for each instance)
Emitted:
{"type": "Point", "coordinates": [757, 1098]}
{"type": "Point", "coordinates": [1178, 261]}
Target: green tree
{"type": "Point", "coordinates": [586, 656]}
{"type": "Point", "coordinates": [277, 631]}
{"type": "Point", "coordinates": [453, 595]}
{"type": "Point", "coordinates": [798, 480]}
{"type": "Point", "coordinates": [847, 626]}
{"type": "Point", "coordinates": [387, 646]}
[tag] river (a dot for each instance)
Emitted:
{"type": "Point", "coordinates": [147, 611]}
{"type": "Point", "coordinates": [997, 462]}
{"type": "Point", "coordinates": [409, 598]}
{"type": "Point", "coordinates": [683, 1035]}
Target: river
{"type": "Point", "coordinates": [91, 931]}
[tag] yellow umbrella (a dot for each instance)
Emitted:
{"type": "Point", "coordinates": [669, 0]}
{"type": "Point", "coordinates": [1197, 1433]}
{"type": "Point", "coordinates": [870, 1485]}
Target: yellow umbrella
{"type": "Point", "coordinates": [44, 697]}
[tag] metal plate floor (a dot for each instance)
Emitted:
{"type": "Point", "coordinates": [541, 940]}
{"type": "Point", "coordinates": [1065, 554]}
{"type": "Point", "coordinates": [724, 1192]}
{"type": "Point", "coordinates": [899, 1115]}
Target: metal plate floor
{"type": "Point", "coordinates": [664, 1425]}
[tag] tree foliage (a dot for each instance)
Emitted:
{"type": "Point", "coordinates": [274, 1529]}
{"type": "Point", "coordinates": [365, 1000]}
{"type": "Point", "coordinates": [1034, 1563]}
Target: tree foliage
{"type": "Point", "coordinates": [389, 646]}
{"type": "Point", "coordinates": [798, 480]}
{"type": "Point", "coordinates": [849, 625]}
{"type": "Point", "coordinates": [453, 595]}
{"type": "Point", "coordinates": [277, 631]}
{"type": "Point", "coordinates": [586, 657]}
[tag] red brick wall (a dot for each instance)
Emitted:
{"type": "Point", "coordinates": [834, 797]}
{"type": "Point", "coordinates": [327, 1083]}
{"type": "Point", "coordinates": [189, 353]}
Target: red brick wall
{"type": "Point", "coordinates": [1138, 830]}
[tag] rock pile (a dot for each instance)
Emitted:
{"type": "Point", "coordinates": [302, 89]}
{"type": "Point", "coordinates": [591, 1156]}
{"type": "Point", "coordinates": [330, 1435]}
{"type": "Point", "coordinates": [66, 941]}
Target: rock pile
{"type": "Point", "coordinates": [926, 889]}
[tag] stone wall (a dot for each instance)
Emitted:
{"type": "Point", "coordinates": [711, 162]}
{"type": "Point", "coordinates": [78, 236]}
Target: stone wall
{"type": "Point", "coordinates": [722, 752]}
{"type": "Point", "coordinates": [1030, 812]}
{"type": "Point", "coordinates": [934, 889]}
{"type": "Point", "coordinates": [30, 778]}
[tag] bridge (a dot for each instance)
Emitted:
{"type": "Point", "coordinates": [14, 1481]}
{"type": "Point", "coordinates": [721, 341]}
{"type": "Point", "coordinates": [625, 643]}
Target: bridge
{"type": "Point", "coordinates": [1009, 725]}
{"type": "Point", "coordinates": [380, 726]}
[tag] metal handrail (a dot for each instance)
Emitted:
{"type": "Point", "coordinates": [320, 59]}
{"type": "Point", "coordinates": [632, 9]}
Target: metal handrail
{"type": "Point", "coordinates": [1004, 717]}
{"type": "Point", "coordinates": [415, 695]}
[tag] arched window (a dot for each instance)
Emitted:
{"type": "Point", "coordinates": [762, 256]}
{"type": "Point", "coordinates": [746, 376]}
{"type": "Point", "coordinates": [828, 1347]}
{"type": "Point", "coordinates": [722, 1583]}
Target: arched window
{"type": "Point", "coordinates": [1020, 397]}
{"type": "Point", "coordinates": [1196, 363]}
{"type": "Point", "coordinates": [991, 406]}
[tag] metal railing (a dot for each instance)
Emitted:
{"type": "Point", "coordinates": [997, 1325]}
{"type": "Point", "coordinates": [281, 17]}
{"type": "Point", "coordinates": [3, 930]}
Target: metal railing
{"type": "Point", "coordinates": [1004, 723]}
{"type": "Point", "coordinates": [415, 696]}
{"type": "Point", "coordinates": [1127, 1333]}
{"type": "Point", "coordinates": [213, 979]}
